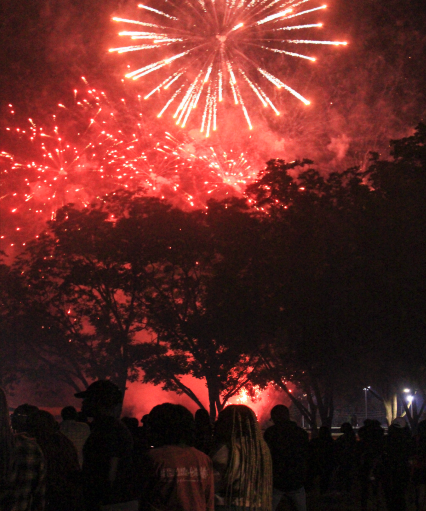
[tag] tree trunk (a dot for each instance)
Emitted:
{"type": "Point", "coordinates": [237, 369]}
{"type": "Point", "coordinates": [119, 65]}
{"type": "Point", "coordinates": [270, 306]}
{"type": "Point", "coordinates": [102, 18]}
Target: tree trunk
{"type": "Point", "coordinates": [121, 382]}
{"type": "Point", "coordinates": [325, 404]}
{"type": "Point", "coordinates": [313, 408]}
{"type": "Point", "coordinates": [214, 398]}
{"type": "Point", "coordinates": [391, 409]}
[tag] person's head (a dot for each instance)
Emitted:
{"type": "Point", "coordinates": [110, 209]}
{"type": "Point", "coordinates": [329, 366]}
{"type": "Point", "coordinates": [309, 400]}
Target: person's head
{"type": "Point", "coordinates": [324, 432]}
{"type": "Point", "coordinates": [398, 427]}
{"type": "Point", "coordinates": [101, 398]}
{"type": "Point", "coordinates": [171, 424]}
{"type": "Point", "coordinates": [69, 413]}
{"type": "Point", "coordinates": [145, 420]}
{"type": "Point", "coordinates": [399, 423]}
{"type": "Point", "coordinates": [237, 427]}
{"type": "Point", "coordinates": [280, 413]}
{"type": "Point", "coordinates": [236, 421]}
{"type": "Point", "coordinates": [346, 428]}
{"type": "Point", "coordinates": [20, 417]}
{"type": "Point", "coordinates": [202, 418]}
{"type": "Point", "coordinates": [42, 424]}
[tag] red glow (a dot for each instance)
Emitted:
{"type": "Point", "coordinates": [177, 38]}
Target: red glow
{"type": "Point", "coordinates": [94, 146]}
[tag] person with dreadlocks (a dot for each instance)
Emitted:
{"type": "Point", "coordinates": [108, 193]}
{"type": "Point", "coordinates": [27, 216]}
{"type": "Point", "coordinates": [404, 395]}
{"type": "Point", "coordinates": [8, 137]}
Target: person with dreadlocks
{"type": "Point", "coordinates": [242, 462]}
{"type": "Point", "coordinates": [22, 467]}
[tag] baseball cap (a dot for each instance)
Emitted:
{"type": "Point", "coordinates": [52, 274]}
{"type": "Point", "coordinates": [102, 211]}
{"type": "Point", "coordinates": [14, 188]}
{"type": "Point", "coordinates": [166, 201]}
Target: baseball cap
{"type": "Point", "coordinates": [102, 389]}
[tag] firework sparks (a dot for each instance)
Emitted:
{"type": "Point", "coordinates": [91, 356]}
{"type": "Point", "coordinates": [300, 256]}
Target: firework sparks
{"type": "Point", "coordinates": [94, 146]}
{"type": "Point", "coordinates": [228, 168]}
{"type": "Point", "coordinates": [210, 47]}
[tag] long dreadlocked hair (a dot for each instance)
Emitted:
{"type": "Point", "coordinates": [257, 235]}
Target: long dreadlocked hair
{"type": "Point", "coordinates": [249, 451]}
{"type": "Point", "coordinates": [6, 440]}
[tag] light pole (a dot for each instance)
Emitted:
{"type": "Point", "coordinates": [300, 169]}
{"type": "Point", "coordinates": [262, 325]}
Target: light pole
{"type": "Point", "coordinates": [365, 389]}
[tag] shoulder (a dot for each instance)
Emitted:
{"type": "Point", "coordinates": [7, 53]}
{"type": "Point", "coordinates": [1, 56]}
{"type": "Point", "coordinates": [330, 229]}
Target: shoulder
{"type": "Point", "coordinates": [303, 433]}
{"type": "Point", "coordinates": [110, 426]}
{"type": "Point", "coordinates": [122, 430]}
{"type": "Point", "coordinates": [221, 455]}
{"type": "Point", "coordinates": [27, 451]}
{"type": "Point", "coordinates": [24, 442]}
{"type": "Point", "coordinates": [63, 442]}
{"type": "Point", "coordinates": [74, 426]}
{"type": "Point", "coordinates": [297, 431]}
{"type": "Point", "coordinates": [220, 449]}
{"type": "Point", "coordinates": [199, 455]}
{"type": "Point", "coordinates": [176, 457]}
{"type": "Point", "coordinates": [270, 432]}
{"type": "Point", "coordinates": [82, 427]}
{"type": "Point", "coordinates": [178, 451]}
{"type": "Point", "coordinates": [159, 452]}
{"type": "Point", "coordinates": [109, 435]}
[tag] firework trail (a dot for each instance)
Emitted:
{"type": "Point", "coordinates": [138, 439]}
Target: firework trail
{"type": "Point", "coordinates": [94, 146]}
{"type": "Point", "coordinates": [212, 51]}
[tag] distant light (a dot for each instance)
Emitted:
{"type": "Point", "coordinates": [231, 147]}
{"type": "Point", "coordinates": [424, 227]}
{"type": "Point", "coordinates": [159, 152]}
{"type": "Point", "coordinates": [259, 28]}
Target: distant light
{"type": "Point", "coordinates": [407, 391]}
{"type": "Point", "coordinates": [410, 398]}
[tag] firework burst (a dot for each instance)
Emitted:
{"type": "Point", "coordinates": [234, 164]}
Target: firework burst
{"type": "Point", "coordinates": [229, 169]}
{"type": "Point", "coordinates": [93, 146]}
{"type": "Point", "coordinates": [213, 50]}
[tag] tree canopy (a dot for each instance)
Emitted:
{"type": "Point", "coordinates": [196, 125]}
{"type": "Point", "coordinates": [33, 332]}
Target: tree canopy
{"type": "Point", "coordinates": [317, 280]}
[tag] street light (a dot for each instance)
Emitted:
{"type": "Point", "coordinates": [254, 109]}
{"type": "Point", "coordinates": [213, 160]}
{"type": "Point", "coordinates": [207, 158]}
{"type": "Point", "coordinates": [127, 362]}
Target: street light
{"type": "Point", "coordinates": [365, 389]}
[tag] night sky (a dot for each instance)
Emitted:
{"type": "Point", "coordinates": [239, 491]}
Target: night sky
{"type": "Point", "coordinates": [47, 45]}
{"type": "Point", "coordinates": [362, 94]}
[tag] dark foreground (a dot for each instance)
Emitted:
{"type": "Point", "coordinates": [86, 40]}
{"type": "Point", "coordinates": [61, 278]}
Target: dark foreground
{"type": "Point", "coordinates": [338, 501]}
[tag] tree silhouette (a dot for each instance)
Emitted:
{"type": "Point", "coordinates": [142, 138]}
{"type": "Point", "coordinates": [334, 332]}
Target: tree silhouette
{"type": "Point", "coordinates": [312, 269]}
{"type": "Point", "coordinates": [197, 309]}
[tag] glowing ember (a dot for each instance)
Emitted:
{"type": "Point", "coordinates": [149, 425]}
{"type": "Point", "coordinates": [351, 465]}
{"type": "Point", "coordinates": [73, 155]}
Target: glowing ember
{"type": "Point", "coordinates": [209, 51]}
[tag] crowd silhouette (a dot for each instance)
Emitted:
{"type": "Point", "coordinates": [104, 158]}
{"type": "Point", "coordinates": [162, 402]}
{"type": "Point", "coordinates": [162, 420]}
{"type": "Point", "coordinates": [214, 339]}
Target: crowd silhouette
{"type": "Point", "coordinates": [173, 461]}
